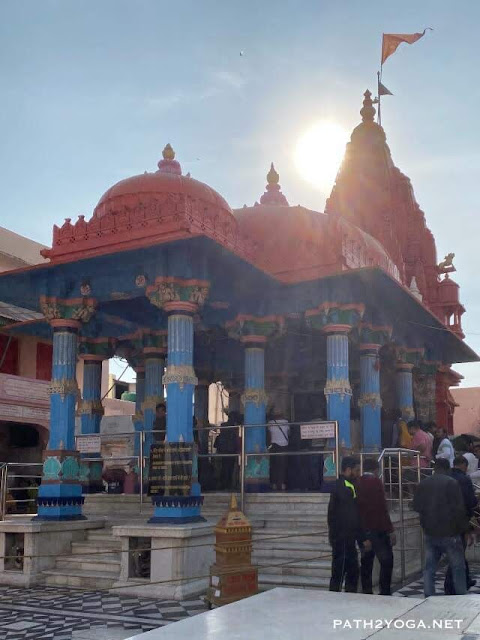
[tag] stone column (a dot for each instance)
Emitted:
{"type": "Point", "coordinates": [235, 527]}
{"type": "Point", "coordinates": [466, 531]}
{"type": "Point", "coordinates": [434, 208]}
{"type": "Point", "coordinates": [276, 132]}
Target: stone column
{"type": "Point", "coordinates": [257, 473]}
{"type": "Point", "coordinates": [91, 411]}
{"type": "Point", "coordinates": [180, 381]}
{"type": "Point", "coordinates": [180, 300]}
{"type": "Point", "coordinates": [370, 402]}
{"type": "Point", "coordinates": [337, 389]}
{"type": "Point", "coordinates": [404, 387]}
{"type": "Point", "coordinates": [424, 391]}
{"type": "Point", "coordinates": [336, 320]}
{"type": "Point", "coordinates": [154, 368]}
{"type": "Point", "coordinates": [60, 494]}
{"type": "Point", "coordinates": [254, 332]}
{"type": "Point", "coordinates": [139, 400]}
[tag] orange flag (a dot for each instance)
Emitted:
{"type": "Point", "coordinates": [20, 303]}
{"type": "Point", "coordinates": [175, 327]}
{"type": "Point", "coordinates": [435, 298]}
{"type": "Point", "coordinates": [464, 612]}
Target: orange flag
{"type": "Point", "coordinates": [392, 40]}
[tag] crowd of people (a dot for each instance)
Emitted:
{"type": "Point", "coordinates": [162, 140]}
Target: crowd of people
{"type": "Point", "coordinates": [358, 515]}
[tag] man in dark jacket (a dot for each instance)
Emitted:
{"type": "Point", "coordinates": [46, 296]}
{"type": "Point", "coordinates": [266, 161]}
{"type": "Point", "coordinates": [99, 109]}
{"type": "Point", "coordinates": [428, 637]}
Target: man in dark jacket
{"type": "Point", "coordinates": [377, 526]}
{"type": "Point", "coordinates": [438, 499]}
{"type": "Point", "coordinates": [344, 528]}
{"type": "Point", "coordinates": [459, 473]}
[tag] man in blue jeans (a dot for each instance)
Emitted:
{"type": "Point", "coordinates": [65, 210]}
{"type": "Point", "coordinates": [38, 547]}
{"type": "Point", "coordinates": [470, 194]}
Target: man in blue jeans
{"type": "Point", "coordinates": [438, 499]}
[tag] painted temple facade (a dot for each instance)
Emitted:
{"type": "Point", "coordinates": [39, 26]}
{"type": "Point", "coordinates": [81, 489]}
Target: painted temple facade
{"type": "Point", "coordinates": [317, 314]}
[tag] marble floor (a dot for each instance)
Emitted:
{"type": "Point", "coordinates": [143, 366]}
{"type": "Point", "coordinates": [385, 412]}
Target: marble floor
{"type": "Point", "coordinates": [52, 613]}
{"type": "Point", "coordinates": [302, 614]}
{"type": "Point", "coordinates": [415, 588]}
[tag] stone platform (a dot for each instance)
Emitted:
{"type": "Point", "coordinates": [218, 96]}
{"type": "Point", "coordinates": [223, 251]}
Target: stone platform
{"type": "Point", "coordinates": [294, 614]}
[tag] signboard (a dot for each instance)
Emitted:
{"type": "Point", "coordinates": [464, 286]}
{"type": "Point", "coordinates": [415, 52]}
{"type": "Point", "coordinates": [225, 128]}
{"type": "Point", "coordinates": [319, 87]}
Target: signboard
{"type": "Point", "coordinates": [314, 430]}
{"type": "Point", "coordinates": [170, 469]}
{"type": "Point", "coordinates": [89, 444]}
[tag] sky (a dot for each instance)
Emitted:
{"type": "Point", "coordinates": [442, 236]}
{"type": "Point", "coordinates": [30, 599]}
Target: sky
{"type": "Point", "coordinates": [92, 90]}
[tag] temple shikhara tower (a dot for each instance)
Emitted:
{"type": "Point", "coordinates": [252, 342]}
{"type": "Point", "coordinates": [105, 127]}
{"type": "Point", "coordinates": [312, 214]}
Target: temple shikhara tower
{"type": "Point", "coordinates": [320, 315]}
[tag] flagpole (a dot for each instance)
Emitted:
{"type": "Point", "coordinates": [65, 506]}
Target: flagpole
{"type": "Point", "coordinates": [379, 77]}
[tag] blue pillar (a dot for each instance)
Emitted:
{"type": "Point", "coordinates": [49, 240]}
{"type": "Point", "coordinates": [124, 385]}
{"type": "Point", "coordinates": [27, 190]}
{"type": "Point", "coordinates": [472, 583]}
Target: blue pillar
{"type": "Point", "coordinates": [91, 409]}
{"type": "Point", "coordinates": [139, 400]}
{"type": "Point", "coordinates": [257, 475]}
{"type": "Point", "coordinates": [154, 366]}
{"type": "Point", "coordinates": [91, 412]}
{"type": "Point", "coordinates": [404, 385]}
{"type": "Point", "coordinates": [370, 402]}
{"type": "Point", "coordinates": [180, 381]}
{"type": "Point", "coordinates": [337, 389]}
{"type": "Point", "coordinates": [60, 494]}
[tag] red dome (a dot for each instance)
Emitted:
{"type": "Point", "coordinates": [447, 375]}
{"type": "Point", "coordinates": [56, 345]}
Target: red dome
{"type": "Point", "coordinates": [131, 190]}
{"type": "Point", "coordinates": [149, 209]}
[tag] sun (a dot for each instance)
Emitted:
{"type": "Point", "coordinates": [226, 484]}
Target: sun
{"type": "Point", "coordinates": [319, 153]}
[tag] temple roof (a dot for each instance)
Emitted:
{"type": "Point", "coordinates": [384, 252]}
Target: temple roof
{"type": "Point", "coordinates": [168, 179]}
{"type": "Point", "coordinates": [149, 209]}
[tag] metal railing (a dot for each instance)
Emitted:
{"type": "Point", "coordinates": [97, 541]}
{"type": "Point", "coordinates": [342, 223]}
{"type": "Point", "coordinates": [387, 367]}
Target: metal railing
{"type": "Point", "coordinates": [399, 477]}
{"type": "Point", "coordinates": [242, 456]}
{"type": "Point", "coordinates": [13, 480]}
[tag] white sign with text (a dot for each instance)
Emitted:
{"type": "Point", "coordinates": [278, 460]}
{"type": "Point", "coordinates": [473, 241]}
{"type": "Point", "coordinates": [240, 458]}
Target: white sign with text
{"type": "Point", "coordinates": [314, 430]}
{"type": "Point", "coordinates": [89, 444]}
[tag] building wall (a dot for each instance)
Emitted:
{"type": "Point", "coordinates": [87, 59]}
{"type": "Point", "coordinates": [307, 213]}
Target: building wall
{"type": "Point", "coordinates": [466, 418]}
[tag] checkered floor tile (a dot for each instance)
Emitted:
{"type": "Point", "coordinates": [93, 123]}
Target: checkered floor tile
{"type": "Point", "coordinates": [51, 613]}
{"type": "Point", "coordinates": [415, 588]}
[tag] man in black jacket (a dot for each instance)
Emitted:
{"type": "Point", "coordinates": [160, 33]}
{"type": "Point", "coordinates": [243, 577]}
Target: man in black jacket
{"type": "Point", "coordinates": [344, 528]}
{"type": "Point", "coordinates": [438, 499]}
{"type": "Point", "coordinates": [459, 473]}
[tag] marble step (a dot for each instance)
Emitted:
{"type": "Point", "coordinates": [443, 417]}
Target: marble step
{"type": "Point", "coordinates": [105, 540]}
{"type": "Point", "coordinates": [80, 548]}
{"type": "Point", "coordinates": [313, 568]}
{"type": "Point", "coordinates": [95, 562]}
{"type": "Point", "coordinates": [267, 581]}
{"type": "Point", "coordinates": [284, 537]}
{"type": "Point", "coordinates": [290, 553]}
{"type": "Point", "coordinates": [78, 578]}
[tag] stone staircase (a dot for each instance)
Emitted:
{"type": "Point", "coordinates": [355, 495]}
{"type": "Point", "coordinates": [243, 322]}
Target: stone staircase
{"type": "Point", "coordinates": [290, 540]}
{"type": "Point", "coordinates": [288, 531]}
{"type": "Point", "coordinates": [93, 564]}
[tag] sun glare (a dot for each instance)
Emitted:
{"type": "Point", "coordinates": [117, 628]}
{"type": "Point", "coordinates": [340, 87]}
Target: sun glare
{"type": "Point", "coordinates": [319, 153]}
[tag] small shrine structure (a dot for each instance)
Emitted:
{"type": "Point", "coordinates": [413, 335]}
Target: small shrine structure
{"type": "Point", "coordinates": [232, 576]}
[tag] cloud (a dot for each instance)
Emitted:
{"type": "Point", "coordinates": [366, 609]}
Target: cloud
{"type": "Point", "coordinates": [218, 82]}
{"type": "Point", "coordinates": [164, 103]}
{"type": "Point", "coordinates": [230, 79]}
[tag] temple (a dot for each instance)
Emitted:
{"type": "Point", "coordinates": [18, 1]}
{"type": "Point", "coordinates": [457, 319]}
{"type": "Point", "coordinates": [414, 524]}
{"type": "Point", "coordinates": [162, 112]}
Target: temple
{"type": "Point", "coordinates": [317, 314]}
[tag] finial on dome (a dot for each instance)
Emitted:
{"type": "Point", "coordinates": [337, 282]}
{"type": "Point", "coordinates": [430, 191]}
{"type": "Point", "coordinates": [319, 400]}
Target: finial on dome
{"type": "Point", "coordinates": [233, 503]}
{"type": "Point", "coordinates": [368, 110]}
{"type": "Point", "coordinates": [272, 175]}
{"type": "Point", "coordinates": [168, 153]}
{"type": "Point", "coordinates": [169, 164]}
{"type": "Point", "coordinates": [273, 195]}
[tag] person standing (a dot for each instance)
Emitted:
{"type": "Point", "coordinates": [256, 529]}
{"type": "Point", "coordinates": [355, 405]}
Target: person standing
{"type": "Point", "coordinates": [344, 528]}
{"type": "Point", "coordinates": [466, 451]}
{"type": "Point", "coordinates": [278, 429]}
{"type": "Point", "coordinates": [445, 447]}
{"type": "Point", "coordinates": [443, 518]}
{"type": "Point", "coordinates": [421, 442]}
{"type": "Point", "coordinates": [227, 442]}
{"type": "Point", "coordinates": [378, 528]}
{"type": "Point", "coordinates": [459, 473]}
{"type": "Point", "coordinates": [160, 422]}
